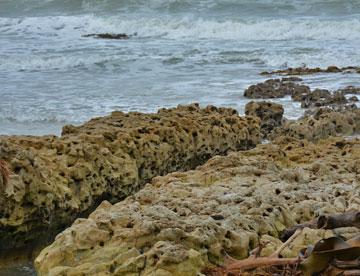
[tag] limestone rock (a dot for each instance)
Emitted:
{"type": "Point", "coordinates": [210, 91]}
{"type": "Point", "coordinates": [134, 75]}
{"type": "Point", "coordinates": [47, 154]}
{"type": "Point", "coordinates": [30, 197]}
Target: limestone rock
{"type": "Point", "coordinates": [270, 114]}
{"type": "Point", "coordinates": [274, 88]}
{"type": "Point", "coordinates": [55, 179]}
{"type": "Point", "coordinates": [322, 97]}
{"type": "Point", "coordinates": [322, 123]}
{"type": "Point", "coordinates": [184, 221]}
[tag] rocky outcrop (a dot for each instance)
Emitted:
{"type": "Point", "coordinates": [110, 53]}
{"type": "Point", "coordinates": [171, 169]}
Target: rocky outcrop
{"type": "Point", "coordinates": [275, 88]}
{"type": "Point", "coordinates": [56, 179]}
{"type": "Point", "coordinates": [321, 97]}
{"type": "Point", "coordinates": [308, 71]}
{"type": "Point", "coordinates": [270, 115]}
{"type": "Point", "coordinates": [350, 90]}
{"type": "Point", "coordinates": [322, 123]}
{"type": "Point", "coordinates": [181, 223]}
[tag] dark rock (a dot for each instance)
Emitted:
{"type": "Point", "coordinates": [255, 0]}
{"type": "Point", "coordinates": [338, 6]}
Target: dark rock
{"type": "Point", "coordinates": [323, 97]}
{"type": "Point", "coordinates": [353, 99]}
{"type": "Point", "coordinates": [350, 90]}
{"type": "Point", "coordinates": [108, 36]}
{"type": "Point", "coordinates": [274, 88]}
{"type": "Point", "coordinates": [309, 71]}
{"type": "Point", "coordinates": [292, 79]}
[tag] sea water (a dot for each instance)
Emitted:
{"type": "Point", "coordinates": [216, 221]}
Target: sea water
{"type": "Point", "coordinates": [180, 51]}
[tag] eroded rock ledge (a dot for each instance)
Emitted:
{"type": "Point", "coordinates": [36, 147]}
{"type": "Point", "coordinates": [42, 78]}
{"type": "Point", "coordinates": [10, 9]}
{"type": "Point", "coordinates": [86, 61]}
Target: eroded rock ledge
{"type": "Point", "coordinates": [55, 179]}
{"type": "Point", "coordinates": [185, 221]}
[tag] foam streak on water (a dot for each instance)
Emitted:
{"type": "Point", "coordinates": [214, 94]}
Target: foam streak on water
{"type": "Point", "coordinates": [182, 51]}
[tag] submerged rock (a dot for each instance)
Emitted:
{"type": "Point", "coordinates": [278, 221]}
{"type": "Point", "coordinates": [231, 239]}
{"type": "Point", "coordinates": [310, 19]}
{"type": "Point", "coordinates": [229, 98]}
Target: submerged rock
{"type": "Point", "coordinates": [56, 179]}
{"type": "Point", "coordinates": [270, 114]}
{"type": "Point", "coordinates": [180, 223]}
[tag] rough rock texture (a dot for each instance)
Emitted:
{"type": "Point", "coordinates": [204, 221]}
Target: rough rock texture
{"type": "Point", "coordinates": [321, 123]}
{"type": "Point", "coordinates": [182, 222]}
{"type": "Point", "coordinates": [270, 114]}
{"type": "Point", "coordinates": [350, 90]}
{"type": "Point", "coordinates": [321, 97]}
{"type": "Point", "coordinates": [309, 71]}
{"type": "Point", "coordinates": [54, 180]}
{"type": "Point", "coordinates": [275, 88]}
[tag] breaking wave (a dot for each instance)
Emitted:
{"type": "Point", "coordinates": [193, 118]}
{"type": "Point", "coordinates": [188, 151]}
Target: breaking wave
{"type": "Point", "coordinates": [184, 27]}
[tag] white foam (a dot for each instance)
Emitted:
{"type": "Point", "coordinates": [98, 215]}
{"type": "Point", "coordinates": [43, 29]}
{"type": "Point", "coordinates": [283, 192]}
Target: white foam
{"type": "Point", "coordinates": [185, 27]}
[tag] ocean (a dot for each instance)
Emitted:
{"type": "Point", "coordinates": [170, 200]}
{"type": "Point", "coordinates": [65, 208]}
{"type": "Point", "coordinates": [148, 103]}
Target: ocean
{"type": "Point", "coordinates": [180, 51]}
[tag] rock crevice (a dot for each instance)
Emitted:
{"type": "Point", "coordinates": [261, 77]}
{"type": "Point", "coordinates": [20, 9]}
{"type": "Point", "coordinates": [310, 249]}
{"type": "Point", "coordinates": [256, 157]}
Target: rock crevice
{"type": "Point", "coordinates": [56, 179]}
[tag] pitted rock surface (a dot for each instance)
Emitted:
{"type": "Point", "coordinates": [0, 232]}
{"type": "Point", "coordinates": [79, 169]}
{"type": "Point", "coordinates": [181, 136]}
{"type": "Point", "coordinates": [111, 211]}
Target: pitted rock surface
{"type": "Point", "coordinates": [182, 222]}
{"type": "Point", "coordinates": [275, 88]}
{"type": "Point", "coordinates": [270, 114]}
{"type": "Point", "coordinates": [322, 97]}
{"type": "Point", "coordinates": [56, 179]}
{"type": "Point", "coordinates": [321, 123]}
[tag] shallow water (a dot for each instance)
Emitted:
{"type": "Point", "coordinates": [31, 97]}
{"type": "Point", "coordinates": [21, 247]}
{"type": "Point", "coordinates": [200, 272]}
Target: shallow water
{"type": "Point", "coordinates": [18, 271]}
{"type": "Point", "coordinates": [205, 51]}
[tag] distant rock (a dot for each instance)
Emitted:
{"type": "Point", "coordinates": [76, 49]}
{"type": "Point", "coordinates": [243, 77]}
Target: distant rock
{"type": "Point", "coordinates": [108, 36]}
{"type": "Point", "coordinates": [322, 97]}
{"type": "Point", "coordinates": [275, 88]}
{"type": "Point", "coordinates": [350, 90]}
{"type": "Point", "coordinates": [309, 71]}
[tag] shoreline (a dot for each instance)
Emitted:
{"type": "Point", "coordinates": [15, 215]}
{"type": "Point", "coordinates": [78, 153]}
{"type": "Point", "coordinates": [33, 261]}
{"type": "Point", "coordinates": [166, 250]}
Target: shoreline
{"type": "Point", "coordinates": [177, 131]}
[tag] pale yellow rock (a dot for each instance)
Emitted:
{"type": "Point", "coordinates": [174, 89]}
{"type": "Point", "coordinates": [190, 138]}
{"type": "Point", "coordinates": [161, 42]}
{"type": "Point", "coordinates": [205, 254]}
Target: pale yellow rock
{"type": "Point", "coordinates": [55, 179]}
{"type": "Point", "coordinates": [190, 220]}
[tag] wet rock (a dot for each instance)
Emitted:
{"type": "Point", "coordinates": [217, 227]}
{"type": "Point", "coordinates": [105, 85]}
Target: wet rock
{"type": "Point", "coordinates": [274, 88]}
{"type": "Point", "coordinates": [353, 99]}
{"type": "Point", "coordinates": [350, 90]}
{"type": "Point", "coordinates": [56, 179]}
{"type": "Point", "coordinates": [291, 79]}
{"type": "Point", "coordinates": [270, 114]}
{"type": "Point", "coordinates": [108, 36]}
{"type": "Point", "coordinates": [168, 227]}
{"type": "Point", "coordinates": [309, 71]}
{"type": "Point", "coordinates": [322, 97]}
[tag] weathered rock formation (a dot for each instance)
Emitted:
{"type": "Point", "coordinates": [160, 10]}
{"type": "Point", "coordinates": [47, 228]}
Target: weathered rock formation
{"type": "Point", "coordinates": [309, 71]}
{"type": "Point", "coordinates": [350, 90]}
{"type": "Point", "coordinates": [180, 223]}
{"type": "Point", "coordinates": [55, 179]}
{"type": "Point", "coordinates": [270, 114]}
{"type": "Point", "coordinates": [275, 88]}
{"type": "Point", "coordinates": [322, 123]}
{"type": "Point", "coordinates": [321, 97]}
